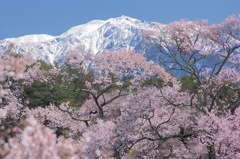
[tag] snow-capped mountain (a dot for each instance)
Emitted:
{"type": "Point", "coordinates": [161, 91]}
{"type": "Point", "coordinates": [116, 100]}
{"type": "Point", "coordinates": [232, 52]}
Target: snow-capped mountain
{"type": "Point", "coordinates": [97, 36]}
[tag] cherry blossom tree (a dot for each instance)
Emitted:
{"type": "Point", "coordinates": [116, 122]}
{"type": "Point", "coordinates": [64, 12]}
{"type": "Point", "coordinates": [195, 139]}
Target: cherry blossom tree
{"type": "Point", "coordinates": [220, 134]}
{"type": "Point", "coordinates": [208, 53]}
{"type": "Point", "coordinates": [38, 141]}
{"type": "Point", "coordinates": [121, 71]}
{"type": "Point", "coordinates": [152, 121]}
{"type": "Point", "coordinates": [225, 72]}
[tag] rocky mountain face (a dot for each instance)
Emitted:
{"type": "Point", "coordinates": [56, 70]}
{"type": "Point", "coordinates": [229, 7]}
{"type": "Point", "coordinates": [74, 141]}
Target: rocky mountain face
{"type": "Point", "coordinates": [97, 36]}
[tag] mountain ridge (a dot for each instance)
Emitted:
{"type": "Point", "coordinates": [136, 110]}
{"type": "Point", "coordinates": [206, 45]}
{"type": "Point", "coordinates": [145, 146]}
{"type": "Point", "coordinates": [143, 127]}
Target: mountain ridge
{"type": "Point", "coordinates": [97, 36]}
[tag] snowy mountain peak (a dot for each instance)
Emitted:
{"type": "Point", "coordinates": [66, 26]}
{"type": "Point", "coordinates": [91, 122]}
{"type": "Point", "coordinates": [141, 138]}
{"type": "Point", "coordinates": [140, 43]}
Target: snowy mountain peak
{"type": "Point", "coordinates": [124, 19]}
{"type": "Point", "coordinates": [92, 26]}
{"type": "Point", "coordinates": [97, 36]}
{"type": "Point", "coordinates": [84, 29]}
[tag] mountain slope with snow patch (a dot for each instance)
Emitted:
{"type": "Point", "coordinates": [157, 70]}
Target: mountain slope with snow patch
{"type": "Point", "coordinates": [97, 36]}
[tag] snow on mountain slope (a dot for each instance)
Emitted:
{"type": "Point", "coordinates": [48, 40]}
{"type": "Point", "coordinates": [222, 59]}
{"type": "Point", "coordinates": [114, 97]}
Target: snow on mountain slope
{"type": "Point", "coordinates": [83, 30]}
{"type": "Point", "coordinates": [97, 36]}
{"type": "Point", "coordinates": [35, 38]}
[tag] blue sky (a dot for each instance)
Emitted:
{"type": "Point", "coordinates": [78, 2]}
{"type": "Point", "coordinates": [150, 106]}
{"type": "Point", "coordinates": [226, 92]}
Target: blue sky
{"type": "Point", "coordinates": [22, 17]}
